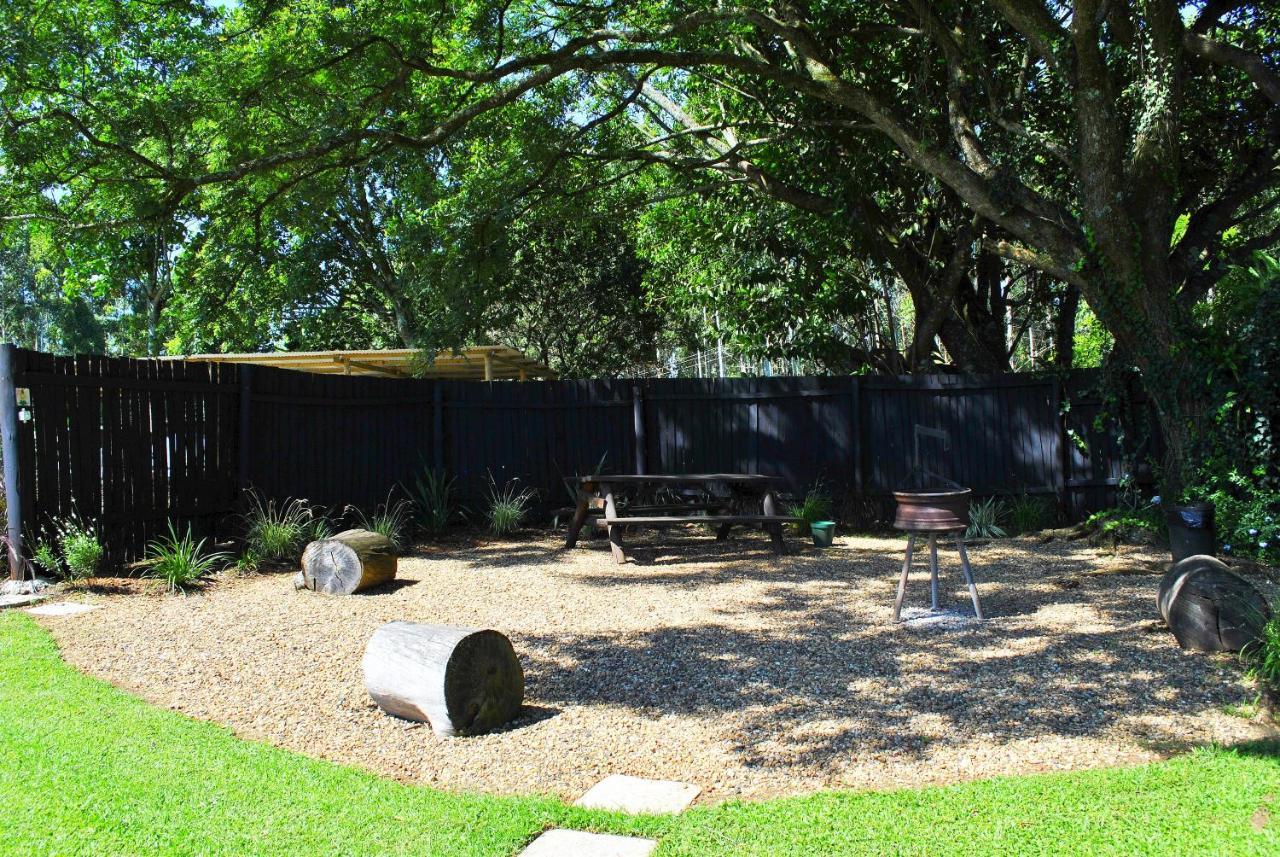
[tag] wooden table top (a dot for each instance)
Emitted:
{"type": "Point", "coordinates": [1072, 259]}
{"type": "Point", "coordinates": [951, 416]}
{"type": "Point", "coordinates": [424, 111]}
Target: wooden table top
{"type": "Point", "coordinates": [675, 478]}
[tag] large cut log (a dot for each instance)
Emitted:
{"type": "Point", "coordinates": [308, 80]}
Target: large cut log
{"type": "Point", "coordinates": [1210, 608]}
{"type": "Point", "coordinates": [348, 562]}
{"type": "Point", "coordinates": [463, 681]}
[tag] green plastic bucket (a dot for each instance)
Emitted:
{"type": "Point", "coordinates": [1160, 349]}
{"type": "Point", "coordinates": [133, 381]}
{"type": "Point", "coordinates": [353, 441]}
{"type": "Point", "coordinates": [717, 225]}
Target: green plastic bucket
{"type": "Point", "coordinates": [823, 533]}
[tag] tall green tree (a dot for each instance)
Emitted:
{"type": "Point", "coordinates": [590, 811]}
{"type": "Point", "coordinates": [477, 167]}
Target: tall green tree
{"type": "Point", "coordinates": [1125, 149]}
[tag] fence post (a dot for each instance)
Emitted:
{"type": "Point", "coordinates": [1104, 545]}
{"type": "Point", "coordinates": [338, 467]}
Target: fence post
{"type": "Point", "coordinates": [12, 471]}
{"type": "Point", "coordinates": [637, 416]}
{"type": "Point", "coordinates": [855, 429]}
{"type": "Point", "coordinates": [246, 391]}
{"type": "Point", "coordinates": [437, 428]}
{"type": "Point", "coordinates": [1063, 452]}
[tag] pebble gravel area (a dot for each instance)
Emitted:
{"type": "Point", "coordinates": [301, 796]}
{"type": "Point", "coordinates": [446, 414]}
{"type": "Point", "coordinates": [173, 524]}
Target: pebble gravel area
{"type": "Point", "coordinates": [712, 663]}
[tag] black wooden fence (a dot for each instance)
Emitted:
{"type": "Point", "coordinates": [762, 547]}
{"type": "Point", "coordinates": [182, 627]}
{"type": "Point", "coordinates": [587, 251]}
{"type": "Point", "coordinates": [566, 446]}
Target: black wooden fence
{"type": "Point", "coordinates": [133, 444]}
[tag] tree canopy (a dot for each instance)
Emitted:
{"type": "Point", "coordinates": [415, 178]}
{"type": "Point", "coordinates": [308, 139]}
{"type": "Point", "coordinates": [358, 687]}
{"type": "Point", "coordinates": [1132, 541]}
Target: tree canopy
{"type": "Point", "coordinates": [995, 163]}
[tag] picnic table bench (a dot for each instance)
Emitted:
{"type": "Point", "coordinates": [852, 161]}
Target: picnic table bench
{"type": "Point", "coordinates": [739, 494]}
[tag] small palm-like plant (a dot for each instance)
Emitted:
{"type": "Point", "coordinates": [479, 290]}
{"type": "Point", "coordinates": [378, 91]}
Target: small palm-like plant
{"type": "Point", "coordinates": [181, 560]}
{"type": "Point", "coordinates": [507, 506]}
{"type": "Point", "coordinates": [985, 518]}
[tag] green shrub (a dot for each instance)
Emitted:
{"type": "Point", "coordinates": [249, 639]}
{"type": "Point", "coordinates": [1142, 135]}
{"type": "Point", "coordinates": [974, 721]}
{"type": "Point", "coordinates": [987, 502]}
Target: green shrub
{"type": "Point", "coordinates": [985, 518]}
{"type": "Point", "coordinates": [507, 506]}
{"type": "Point", "coordinates": [277, 533]}
{"type": "Point", "coordinates": [432, 495]}
{"type": "Point", "coordinates": [816, 506]}
{"type": "Point", "coordinates": [391, 519]}
{"type": "Point", "coordinates": [76, 552]}
{"type": "Point", "coordinates": [1262, 662]}
{"type": "Point", "coordinates": [46, 556]}
{"type": "Point", "coordinates": [180, 560]}
{"type": "Point", "coordinates": [1246, 521]}
{"type": "Point", "coordinates": [1028, 513]}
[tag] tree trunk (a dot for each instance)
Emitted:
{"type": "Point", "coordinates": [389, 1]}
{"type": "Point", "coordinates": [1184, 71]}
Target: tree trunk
{"type": "Point", "coordinates": [1064, 330]}
{"type": "Point", "coordinates": [348, 562]}
{"type": "Point", "coordinates": [462, 681]}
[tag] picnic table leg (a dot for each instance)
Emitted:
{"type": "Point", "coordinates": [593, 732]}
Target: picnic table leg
{"type": "Point", "coordinates": [902, 584]}
{"type": "Point", "coordinates": [579, 518]}
{"type": "Point", "coordinates": [968, 576]}
{"type": "Point", "coordinates": [615, 530]}
{"type": "Point", "coordinates": [770, 507]}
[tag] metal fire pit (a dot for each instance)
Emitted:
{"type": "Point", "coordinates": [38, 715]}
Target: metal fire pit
{"type": "Point", "coordinates": [936, 511]}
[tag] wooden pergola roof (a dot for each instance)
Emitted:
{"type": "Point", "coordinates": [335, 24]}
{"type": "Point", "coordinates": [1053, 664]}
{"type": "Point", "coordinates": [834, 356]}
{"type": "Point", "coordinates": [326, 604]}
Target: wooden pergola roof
{"type": "Point", "coordinates": [477, 363]}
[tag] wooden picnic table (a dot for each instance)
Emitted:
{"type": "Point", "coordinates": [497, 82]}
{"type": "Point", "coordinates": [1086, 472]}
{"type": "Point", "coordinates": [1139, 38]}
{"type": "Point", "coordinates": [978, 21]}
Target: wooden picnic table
{"type": "Point", "coordinates": [735, 504]}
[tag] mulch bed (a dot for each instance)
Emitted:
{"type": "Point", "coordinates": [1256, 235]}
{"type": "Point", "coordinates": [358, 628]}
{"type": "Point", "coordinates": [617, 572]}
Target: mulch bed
{"type": "Point", "coordinates": [711, 663]}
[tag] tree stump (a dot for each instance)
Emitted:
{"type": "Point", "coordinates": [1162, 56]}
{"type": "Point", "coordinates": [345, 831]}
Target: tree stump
{"type": "Point", "coordinates": [462, 681]}
{"type": "Point", "coordinates": [1210, 608]}
{"type": "Point", "coordinates": [348, 562]}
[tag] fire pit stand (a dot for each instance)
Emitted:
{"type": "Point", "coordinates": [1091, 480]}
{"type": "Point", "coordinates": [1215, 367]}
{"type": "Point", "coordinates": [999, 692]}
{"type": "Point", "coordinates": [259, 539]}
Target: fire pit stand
{"type": "Point", "coordinates": [958, 535]}
{"type": "Point", "coordinates": [933, 511]}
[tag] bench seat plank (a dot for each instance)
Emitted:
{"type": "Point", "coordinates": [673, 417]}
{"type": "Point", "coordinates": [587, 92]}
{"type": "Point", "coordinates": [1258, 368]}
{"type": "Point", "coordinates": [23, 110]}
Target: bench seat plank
{"type": "Point", "coordinates": [657, 520]}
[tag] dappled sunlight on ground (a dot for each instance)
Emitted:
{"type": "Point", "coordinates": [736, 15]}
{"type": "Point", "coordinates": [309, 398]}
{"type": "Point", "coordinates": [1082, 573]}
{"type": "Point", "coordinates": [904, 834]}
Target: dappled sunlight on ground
{"type": "Point", "coordinates": [712, 663]}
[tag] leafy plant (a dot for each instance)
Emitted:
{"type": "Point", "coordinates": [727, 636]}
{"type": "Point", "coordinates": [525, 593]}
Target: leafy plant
{"type": "Point", "coordinates": [45, 556]}
{"type": "Point", "coordinates": [391, 519]}
{"type": "Point", "coordinates": [432, 495]}
{"type": "Point", "coordinates": [507, 506]}
{"type": "Point", "coordinates": [277, 532]}
{"type": "Point", "coordinates": [985, 518]}
{"type": "Point", "coordinates": [76, 552]}
{"type": "Point", "coordinates": [1262, 663]}
{"type": "Point", "coordinates": [816, 506]}
{"type": "Point", "coordinates": [180, 560]}
{"type": "Point", "coordinates": [1028, 513]}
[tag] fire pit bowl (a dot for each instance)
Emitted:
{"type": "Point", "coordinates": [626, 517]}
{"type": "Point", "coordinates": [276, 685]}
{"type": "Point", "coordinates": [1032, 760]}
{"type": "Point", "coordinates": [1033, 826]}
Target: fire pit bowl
{"type": "Point", "coordinates": [938, 510]}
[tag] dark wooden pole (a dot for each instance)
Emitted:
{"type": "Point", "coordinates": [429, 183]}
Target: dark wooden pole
{"type": "Point", "coordinates": [855, 429]}
{"type": "Point", "coordinates": [246, 395]}
{"type": "Point", "coordinates": [12, 471]}
{"type": "Point", "coordinates": [1062, 456]}
{"type": "Point", "coordinates": [437, 428]}
{"type": "Point", "coordinates": [637, 415]}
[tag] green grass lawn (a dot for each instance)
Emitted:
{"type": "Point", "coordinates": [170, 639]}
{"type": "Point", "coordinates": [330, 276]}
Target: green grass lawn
{"type": "Point", "coordinates": [88, 769]}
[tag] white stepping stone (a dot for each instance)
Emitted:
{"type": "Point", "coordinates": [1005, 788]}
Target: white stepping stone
{"type": "Point", "coordinates": [576, 843]}
{"type": "Point", "coordinates": [635, 794]}
{"type": "Point", "coordinates": [62, 608]}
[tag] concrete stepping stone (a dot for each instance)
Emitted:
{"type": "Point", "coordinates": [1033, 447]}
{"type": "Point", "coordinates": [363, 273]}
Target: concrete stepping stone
{"type": "Point", "coordinates": [636, 795]}
{"type": "Point", "coordinates": [62, 608]}
{"type": "Point", "coordinates": [22, 600]}
{"type": "Point", "coordinates": [577, 843]}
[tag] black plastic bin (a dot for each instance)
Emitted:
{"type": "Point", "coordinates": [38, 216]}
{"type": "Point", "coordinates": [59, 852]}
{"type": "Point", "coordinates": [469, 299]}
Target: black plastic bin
{"type": "Point", "coordinates": [1191, 530]}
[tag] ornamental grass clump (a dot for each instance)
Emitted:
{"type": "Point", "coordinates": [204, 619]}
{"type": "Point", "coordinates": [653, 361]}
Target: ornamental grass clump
{"type": "Point", "coordinates": [391, 519]}
{"type": "Point", "coordinates": [432, 495]}
{"type": "Point", "coordinates": [278, 532]}
{"type": "Point", "coordinates": [985, 518]}
{"type": "Point", "coordinates": [1029, 514]}
{"type": "Point", "coordinates": [507, 506]}
{"type": "Point", "coordinates": [1262, 664]}
{"type": "Point", "coordinates": [816, 506]}
{"type": "Point", "coordinates": [181, 561]}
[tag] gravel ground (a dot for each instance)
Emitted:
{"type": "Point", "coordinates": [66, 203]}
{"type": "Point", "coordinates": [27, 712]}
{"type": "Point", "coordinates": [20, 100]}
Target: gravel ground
{"type": "Point", "coordinates": [716, 664]}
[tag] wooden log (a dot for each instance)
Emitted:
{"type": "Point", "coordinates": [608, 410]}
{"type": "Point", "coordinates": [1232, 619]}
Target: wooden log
{"type": "Point", "coordinates": [1210, 608]}
{"type": "Point", "coordinates": [348, 562]}
{"type": "Point", "coordinates": [462, 681]}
